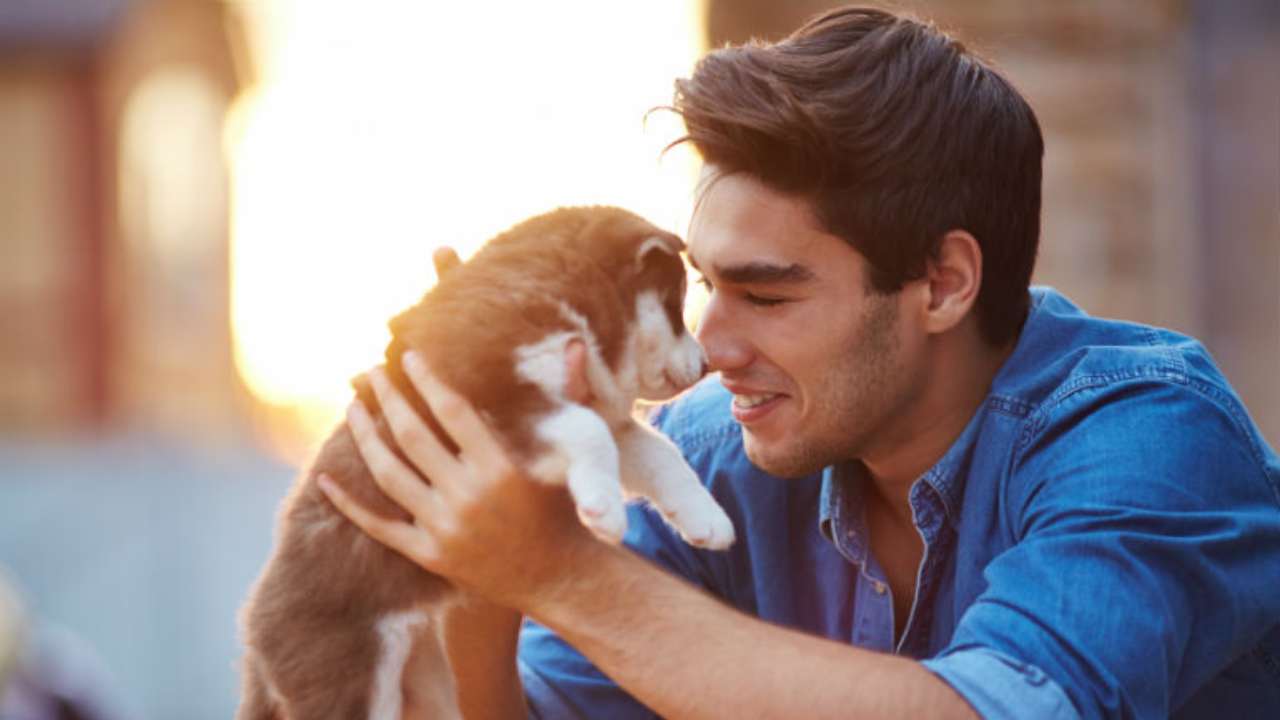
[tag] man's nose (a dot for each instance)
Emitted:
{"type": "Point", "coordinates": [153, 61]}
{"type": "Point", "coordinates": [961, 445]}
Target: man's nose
{"type": "Point", "coordinates": [722, 348]}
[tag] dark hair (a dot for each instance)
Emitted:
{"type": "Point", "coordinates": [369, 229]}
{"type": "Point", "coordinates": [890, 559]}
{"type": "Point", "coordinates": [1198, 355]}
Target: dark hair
{"type": "Point", "coordinates": [894, 133]}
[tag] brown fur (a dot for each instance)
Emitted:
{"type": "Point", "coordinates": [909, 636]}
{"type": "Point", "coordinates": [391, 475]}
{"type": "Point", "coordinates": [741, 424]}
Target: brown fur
{"type": "Point", "coordinates": [309, 623]}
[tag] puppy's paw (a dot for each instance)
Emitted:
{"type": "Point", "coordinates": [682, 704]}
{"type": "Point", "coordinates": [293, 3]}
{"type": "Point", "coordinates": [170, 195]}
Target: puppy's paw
{"type": "Point", "coordinates": [604, 516]}
{"type": "Point", "coordinates": [705, 526]}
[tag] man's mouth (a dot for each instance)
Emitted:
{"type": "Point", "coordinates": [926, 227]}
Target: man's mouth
{"type": "Point", "coordinates": [747, 402]}
{"type": "Point", "coordinates": [752, 408]}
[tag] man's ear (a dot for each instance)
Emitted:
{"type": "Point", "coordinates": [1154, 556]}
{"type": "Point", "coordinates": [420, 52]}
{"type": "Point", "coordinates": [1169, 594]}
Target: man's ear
{"type": "Point", "coordinates": [953, 279]}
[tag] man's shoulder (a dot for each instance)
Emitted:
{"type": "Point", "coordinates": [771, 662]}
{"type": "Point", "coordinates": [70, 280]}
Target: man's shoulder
{"type": "Point", "coordinates": [1063, 351]}
{"type": "Point", "coordinates": [1118, 389]}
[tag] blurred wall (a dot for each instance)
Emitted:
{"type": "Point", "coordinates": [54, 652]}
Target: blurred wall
{"type": "Point", "coordinates": [113, 216]}
{"type": "Point", "coordinates": [1162, 160]}
{"type": "Point", "coordinates": [131, 553]}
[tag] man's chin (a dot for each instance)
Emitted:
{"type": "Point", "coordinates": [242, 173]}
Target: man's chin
{"type": "Point", "coordinates": [787, 463]}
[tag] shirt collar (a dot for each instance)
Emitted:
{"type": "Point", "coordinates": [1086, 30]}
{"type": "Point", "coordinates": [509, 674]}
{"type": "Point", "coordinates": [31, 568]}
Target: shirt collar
{"type": "Point", "coordinates": [947, 476]}
{"type": "Point", "coordinates": [832, 500]}
{"type": "Point", "coordinates": [840, 510]}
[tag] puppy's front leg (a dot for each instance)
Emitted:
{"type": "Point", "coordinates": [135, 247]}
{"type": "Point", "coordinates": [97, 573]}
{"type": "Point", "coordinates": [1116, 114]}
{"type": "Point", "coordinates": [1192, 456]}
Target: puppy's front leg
{"type": "Point", "coordinates": [588, 457]}
{"type": "Point", "coordinates": [653, 467]}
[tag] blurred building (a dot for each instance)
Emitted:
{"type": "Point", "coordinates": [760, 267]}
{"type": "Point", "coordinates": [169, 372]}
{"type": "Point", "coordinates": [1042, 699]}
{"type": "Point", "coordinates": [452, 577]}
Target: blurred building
{"type": "Point", "coordinates": [113, 215]}
{"type": "Point", "coordinates": [1161, 184]}
{"type": "Point", "coordinates": [1162, 161]}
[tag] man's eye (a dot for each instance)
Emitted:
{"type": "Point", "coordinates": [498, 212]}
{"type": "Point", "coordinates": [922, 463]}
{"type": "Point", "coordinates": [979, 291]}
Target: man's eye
{"type": "Point", "coordinates": [761, 301]}
{"type": "Point", "coordinates": [705, 283]}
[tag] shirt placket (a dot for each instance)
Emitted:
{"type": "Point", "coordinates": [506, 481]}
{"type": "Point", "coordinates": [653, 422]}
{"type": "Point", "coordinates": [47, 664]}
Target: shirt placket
{"type": "Point", "coordinates": [929, 516]}
{"type": "Point", "coordinates": [872, 625]}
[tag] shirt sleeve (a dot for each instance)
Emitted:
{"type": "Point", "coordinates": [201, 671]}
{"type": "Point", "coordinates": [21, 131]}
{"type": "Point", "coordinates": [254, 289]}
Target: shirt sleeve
{"type": "Point", "coordinates": [1144, 557]}
{"type": "Point", "coordinates": [1000, 687]}
{"type": "Point", "coordinates": [559, 682]}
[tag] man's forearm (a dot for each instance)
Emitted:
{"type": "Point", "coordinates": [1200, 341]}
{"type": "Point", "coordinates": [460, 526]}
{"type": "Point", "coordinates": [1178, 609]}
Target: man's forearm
{"type": "Point", "coordinates": [686, 655]}
{"type": "Point", "coordinates": [480, 640]}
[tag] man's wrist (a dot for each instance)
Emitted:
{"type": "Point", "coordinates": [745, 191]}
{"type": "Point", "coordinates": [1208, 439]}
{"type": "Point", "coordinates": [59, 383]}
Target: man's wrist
{"type": "Point", "coordinates": [592, 576]}
{"type": "Point", "coordinates": [480, 639]}
{"type": "Point", "coordinates": [478, 623]}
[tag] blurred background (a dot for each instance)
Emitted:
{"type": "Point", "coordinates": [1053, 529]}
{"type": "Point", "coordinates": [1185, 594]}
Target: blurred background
{"type": "Point", "coordinates": [210, 208]}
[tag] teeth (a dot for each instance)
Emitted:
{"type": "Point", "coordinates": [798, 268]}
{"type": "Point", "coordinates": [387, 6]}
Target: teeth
{"type": "Point", "coordinates": [750, 401]}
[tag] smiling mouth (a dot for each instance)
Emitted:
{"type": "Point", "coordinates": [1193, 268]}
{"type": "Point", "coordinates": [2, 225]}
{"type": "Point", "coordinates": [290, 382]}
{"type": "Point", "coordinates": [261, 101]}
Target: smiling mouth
{"type": "Point", "coordinates": [746, 402]}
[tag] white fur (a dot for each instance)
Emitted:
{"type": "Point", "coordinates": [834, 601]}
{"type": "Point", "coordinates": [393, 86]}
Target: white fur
{"type": "Point", "coordinates": [594, 446]}
{"type": "Point", "coordinates": [396, 631]}
{"type": "Point", "coordinates": [542, 363]}
{"type": "Point", "coordinates": [667, 362]}
{"type": "Point", "coordinates": [652, 467]}
{"type": "Point", "coordinates": [583, 438]}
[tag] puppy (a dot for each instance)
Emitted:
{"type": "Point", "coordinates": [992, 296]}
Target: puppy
{"type": "Point", "coordinates": [335, 617]}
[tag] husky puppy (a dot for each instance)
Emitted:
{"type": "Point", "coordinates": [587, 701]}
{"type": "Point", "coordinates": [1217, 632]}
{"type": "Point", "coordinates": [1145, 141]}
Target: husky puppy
{"type": "Point", "coordinates": [336, 617]}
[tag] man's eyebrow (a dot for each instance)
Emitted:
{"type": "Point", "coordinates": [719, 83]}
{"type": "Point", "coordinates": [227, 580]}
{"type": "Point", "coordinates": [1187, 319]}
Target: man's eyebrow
{"type": "Point", "coordinates": [761, 273]}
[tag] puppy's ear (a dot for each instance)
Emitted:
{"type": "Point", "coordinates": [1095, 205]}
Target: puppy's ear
{"type": "Point", "coordinates": [658, 245]}
{"type": "Point", "coordinates": [445, 259]}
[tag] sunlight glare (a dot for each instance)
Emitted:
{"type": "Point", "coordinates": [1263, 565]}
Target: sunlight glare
{"type": "Point", "coordinates": [382, 130]}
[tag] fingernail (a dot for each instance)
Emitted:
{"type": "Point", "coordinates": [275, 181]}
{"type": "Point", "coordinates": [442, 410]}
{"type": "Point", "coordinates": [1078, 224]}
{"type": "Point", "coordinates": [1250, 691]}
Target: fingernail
{"type": "Point", "coordinates": [326, 484]}
{"type": "Point", "coordinates": [412, 361]}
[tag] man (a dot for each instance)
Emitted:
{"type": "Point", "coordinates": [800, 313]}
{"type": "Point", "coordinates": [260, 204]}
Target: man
{"type": "Point", "coordinates": [954, 497]}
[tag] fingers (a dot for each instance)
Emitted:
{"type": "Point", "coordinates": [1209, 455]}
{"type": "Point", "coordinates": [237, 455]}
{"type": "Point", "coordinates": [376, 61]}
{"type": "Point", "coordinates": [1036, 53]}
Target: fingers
{"type": "Point", "coordinates": [396, 479]}
{"type": "Point", "coordinates": [409, 540]}
{"type": "Point", "coordinates": [445, 259]}
{"type": "Point", "coordinates": [458, 418]}
{"type": "Point", "coordinates": [411, 432]}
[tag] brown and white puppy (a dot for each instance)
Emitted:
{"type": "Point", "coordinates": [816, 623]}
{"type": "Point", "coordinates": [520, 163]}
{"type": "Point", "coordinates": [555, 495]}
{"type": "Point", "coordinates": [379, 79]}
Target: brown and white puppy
{"type": "Point", "coordinates": [336, 618]}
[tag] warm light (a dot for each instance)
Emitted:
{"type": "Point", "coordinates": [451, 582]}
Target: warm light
{"type": "Point", "coordinates": [384, 129]}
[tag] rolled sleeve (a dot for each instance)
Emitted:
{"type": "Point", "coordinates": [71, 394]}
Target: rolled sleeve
{"type": "Point", "coordinates": [1144, 562]}
{"type": "Point", "coordinates": [560, 683]}
{"type": "Point", "coordinates": [998, 686]}
{"type": "Point", "coordinates": [543, 699]}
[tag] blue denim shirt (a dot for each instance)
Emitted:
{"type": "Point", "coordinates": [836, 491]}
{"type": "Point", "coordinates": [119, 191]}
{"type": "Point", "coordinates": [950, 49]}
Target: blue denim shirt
{"type": "Point", "coordinates": [1102, 540]}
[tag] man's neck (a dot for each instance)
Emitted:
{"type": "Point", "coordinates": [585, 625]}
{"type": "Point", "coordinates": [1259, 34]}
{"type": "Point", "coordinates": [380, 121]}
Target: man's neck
{"type": "Point", "coordinates": [957, 381]}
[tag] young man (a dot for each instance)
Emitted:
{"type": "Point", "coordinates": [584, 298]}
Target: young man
{"type": "Point", "coordinates": [954, 496]}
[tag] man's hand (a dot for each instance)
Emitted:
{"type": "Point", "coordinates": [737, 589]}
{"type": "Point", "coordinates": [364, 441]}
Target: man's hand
{"type": "Point", "coordinates": [481, 522]}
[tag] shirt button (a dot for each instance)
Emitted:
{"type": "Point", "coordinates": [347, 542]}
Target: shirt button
{"type": "Point", "coordinates": [879, 586]}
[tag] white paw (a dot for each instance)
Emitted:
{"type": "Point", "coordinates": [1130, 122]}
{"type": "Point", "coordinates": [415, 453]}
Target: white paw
{"type": "Point", "coordinates": [604, 516]}
{"type": "Point", "coordinates": [703, 525]}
